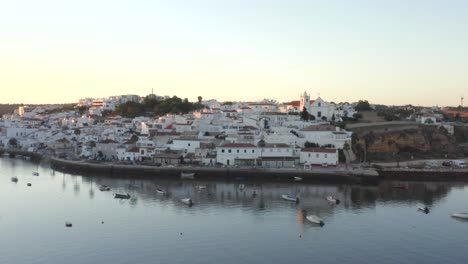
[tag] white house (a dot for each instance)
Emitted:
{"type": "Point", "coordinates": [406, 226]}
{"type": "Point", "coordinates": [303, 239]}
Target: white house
{"type": "Point", "coordinates": [237, 154]}
{"type": "Point", "coordinates": [326, 135]}
{"type": "Point", "coordinates": [186, 146]}
{"type": "Point", "coordinates": [319, 156]}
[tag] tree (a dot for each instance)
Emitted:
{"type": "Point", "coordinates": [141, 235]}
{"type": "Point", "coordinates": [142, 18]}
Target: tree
{"type": "Point", "coordinates": [308, 144]}
{"type": "Point", "coordinates": [199, 99]}
{"type": "Point", "coordinates": [13, 142]}
{"type": "Point", "coordinates": [363, 106]}
{"type": "Point", "coordinates": [324, 118]}
{"type": "Point", "coordinates": [429, 121]}
{"type": "Point", "coordinates": [77, 132]}
{"type": "Point", "coordinates": [333, 117]}
{"type": "Point", "coordinates": [261, 143]}
{"type": "Point", "coordinates": [305, 114]}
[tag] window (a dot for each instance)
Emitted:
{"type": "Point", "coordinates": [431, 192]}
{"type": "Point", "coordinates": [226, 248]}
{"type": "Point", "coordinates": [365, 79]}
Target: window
{"type": "Point", "coordinates": [319, 114]}
{"type": "Point", "coordinates": [189, 144]}
{"type": "Point", "coordinates": [319, 104]}
{"type": "Point", "coordinates": [237, 151]}
{"type": "Point", "coordinates": [253, 150]}
{"type": "Point", "coordinates": [325, 155]}
{"type": "Point", "coordinates": [222, 150]}
{"type": "Point", "coordinates": [317, 155]}
{"type": "Point", "coordinates": [309, 155]}
{"type": "Point", "coordinates": [229, 150]}
{"type": "Point", "coordinates": [245, 151]}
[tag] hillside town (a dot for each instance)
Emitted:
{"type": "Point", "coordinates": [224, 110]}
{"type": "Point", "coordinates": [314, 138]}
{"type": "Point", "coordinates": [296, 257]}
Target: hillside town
{"type": "Point", "coordinates": [299, 134]}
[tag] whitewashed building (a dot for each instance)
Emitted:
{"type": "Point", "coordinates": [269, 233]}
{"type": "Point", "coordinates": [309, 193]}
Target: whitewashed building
{"type": "Point", "coordinates": [319, 156]}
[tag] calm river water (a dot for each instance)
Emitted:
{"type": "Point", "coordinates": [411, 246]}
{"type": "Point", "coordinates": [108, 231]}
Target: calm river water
{"type": "Point", "coordinates": [373, 224]}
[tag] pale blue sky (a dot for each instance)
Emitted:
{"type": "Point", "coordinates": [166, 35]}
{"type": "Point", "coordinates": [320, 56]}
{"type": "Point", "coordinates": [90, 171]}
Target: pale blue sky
{"type": "Point", "coordinates": [392, 52]}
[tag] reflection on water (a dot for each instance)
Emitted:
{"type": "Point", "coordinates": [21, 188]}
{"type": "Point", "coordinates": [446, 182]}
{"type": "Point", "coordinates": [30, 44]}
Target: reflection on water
{"type": "Point", "coordinates": [230, 222]}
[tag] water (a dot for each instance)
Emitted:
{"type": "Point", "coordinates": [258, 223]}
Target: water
{"type": "Point", "coordinates": [226, 225]}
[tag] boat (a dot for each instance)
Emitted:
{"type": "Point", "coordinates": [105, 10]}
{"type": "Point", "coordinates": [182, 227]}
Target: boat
{"type": "Point", "coordinates": [14, 179]}
{"type": "Point", "coordinates": [462, 215]}
{"type": "Point", "coordinates": [187, 201]}
{"type": "Point", "coordinates": [424, 209]}
{"type": "Point", "coordinates": [290, 198]}
{"type": "Point", "coordinates": [104, 188]}
{"type": "Point", "coordinates": [297, 179]}
{"type": "Point", "coordinates": [122, 196]}
{"type": "Point", "coordinates": [241, 186]}
{"type": "Point", "coordinates": [35, 173]}
{"type": "Point", "coordinates": [331, 199]}
{"type": "Point", "coordinates": [201, 188]}
{"type": "Point", "coordinates": [29, 184]}
{"type": "Point", "coordinates": [160, 191]}
{"type": "Point", "coordinates": [187, 175]}
{"type": "Point", "coordinates": [315, 219]}
{"type": "Point", "coordinates": [68, 224]}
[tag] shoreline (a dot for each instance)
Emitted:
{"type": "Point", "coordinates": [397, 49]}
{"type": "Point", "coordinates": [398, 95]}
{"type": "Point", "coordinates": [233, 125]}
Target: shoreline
{"type": "Point", "coordinates": [334, 175]}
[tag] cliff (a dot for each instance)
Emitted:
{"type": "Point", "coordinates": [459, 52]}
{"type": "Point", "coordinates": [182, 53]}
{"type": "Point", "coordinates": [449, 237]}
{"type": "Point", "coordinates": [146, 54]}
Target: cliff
{"type": "Point", "coordinates": [422, 142]}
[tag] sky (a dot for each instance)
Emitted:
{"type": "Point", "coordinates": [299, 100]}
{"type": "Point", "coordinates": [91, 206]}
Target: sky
{"type": "Point", "coordinates": [385, 51]}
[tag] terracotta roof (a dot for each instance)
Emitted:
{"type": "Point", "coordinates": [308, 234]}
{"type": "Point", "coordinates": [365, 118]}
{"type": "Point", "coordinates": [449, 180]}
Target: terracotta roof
{"type": "Point", "coordinates": [279, 145]}
{"type": "Point", "coordinates": [238, 145]}
{"type": "Point", "coordinates": [295, 103]}
{"type": "Point", "coordinates": [319, 150]}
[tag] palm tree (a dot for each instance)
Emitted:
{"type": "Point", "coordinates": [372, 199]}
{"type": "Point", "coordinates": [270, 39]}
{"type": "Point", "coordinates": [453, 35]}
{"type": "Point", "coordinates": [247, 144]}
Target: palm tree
{"type": "Point", "coordinates": [199, 99]}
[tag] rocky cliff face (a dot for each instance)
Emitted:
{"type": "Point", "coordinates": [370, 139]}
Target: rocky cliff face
{"type": "Point", "coordinates": [421, 142]}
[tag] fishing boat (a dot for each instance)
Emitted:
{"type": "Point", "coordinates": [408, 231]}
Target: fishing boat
{"type": "Point", "coordinates": [297, 178]}
{"type": "Point", "coordinates": [424, 209]}
{"type": "Point", "coordinates": [35, 173]}
{"type": "Point", "coordinates": [462, 215]}
{"type": "Point", "coordinates": [122, 196]}
{"type": "Point", "coordinates": [201, 187]}
{"type": "Point", "coordinates": [14, 179]}
{"type": "Point", "coordinates": [187, 175]}
{"type": "Point", "coordinates": [315, 219]}
{"type": "Point", "coordinates": [160, 191]}
{"type": "Point", "coordinates": [290, 198]}
{"type": "Point", "coordinates": [331, 199]}
{"type": "Point", "coordinates": [68, 224]}
{"type": "Point", "coordinates": [104, 188]}
{"type": "Point", "coordinates": [187, 201]}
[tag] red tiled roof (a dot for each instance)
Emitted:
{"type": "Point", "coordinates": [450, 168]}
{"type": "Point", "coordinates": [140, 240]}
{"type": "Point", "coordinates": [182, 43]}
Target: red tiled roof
{"type": "Point", "coordinates": [108, 141]}
{"type": "Point", "coordinates": [238, 145]}
{"type": "Point", "coordinates": [295, 103]}
{"type": "Point", "coordinates": [320, 150]}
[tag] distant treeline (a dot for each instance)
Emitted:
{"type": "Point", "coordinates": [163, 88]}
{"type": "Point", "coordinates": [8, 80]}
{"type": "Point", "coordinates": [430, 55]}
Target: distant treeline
{"type": "Point", "coordinates": [155, 107]}
{"type": "Point", "coordinates": [8, 108]}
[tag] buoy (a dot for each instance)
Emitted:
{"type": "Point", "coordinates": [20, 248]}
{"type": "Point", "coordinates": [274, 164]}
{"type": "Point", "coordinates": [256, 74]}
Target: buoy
{"type": "Point", "coordinates": [102, 222]}
{"type": "Point", "coordinates": [68, 224]}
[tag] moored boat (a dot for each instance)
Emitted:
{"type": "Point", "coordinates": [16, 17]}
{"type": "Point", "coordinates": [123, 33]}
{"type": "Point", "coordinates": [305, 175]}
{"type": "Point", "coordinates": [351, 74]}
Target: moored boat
{"type": "Point", "coordinates": [315, 219]}
{"type": "Point", "coordinates": [187, 201]}
{"type": "Point", "coordinates": [35, 173]}
{"type": "Point", "coordinates": [14, 179]}
{"type": "Point", "coordinates": [400, 186]}
{"type": "Point", "coordinates": [290, 198]}
{"type": "Point", "coordinates": [160, 191]}
{"type": "Point", "coordinates": [462, 215]}
{"type": "Point", "coordinates": [424, 209]}
{"type": "Point", "coordinates": [122, 196]}
{"type": "Point", "coordinates": [332, 199]}
{"type": "Point", "coordinates": [297, 179]}
{"type": "Point", "coordinates": [201, 187]}
{"type": "Point", "coordinates": [103, 188]}
{"type": "Point", "coordinates": [187, 175]}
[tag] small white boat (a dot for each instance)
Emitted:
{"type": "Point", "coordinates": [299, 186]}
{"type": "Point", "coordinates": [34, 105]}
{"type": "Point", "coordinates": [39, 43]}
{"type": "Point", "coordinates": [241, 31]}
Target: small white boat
{"type": "Point", "coordinates": [160, 191]}
{"type": "Point", "coordinates": [254, 192]}
{"type": "Point", "coordinates": [187, 201]}
{"type": "Point", "coordinates": [424, 209]}
{"type": "Point", "coordinates": [104, 188]}
{"type": "Point", "coordinates": [290, 198]}
{"type": "Point", "coordinates": [462, 215]}
{"type": "Point", "coordinates": [331, 199]}
{"type": "Point", "coordinates": [241, 186]}
{"type": "Point", "coordinates": [14, 179]}
{"type": "Point", "coordinates": [187, 175]}
{"type": "Point", "coordinates": [201, 187]}
{"type": "Point", "coordinates": [315, 219]}
{"type": "Point", "coordinates": [297, 179]}
{"type": "Point", "coordinates": [35, 173]}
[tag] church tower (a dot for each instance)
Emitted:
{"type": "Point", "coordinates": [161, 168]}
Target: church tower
{"type": "Point", "coordinates": [305, 102]}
